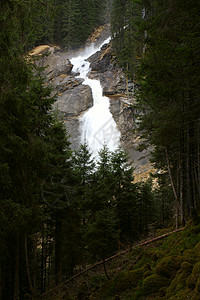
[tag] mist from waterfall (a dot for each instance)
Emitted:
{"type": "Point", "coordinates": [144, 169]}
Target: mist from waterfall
{"type": "Point", "coordinates": [97, 125]}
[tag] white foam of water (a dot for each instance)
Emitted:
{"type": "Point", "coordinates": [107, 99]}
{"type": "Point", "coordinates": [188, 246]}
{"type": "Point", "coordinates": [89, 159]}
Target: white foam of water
{"type": "Point", "coordinates": [97, 125]}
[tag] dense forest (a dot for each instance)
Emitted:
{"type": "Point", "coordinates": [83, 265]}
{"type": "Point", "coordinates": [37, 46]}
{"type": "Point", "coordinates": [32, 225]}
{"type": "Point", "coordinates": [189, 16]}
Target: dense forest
{"type": "Point", "coordinates": [60, 210]}
{"type": "Point", "coordinates": [157, 45]}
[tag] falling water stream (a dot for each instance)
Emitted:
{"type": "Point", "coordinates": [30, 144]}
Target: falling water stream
{"type": "Point", "coordinates": [97, 125]}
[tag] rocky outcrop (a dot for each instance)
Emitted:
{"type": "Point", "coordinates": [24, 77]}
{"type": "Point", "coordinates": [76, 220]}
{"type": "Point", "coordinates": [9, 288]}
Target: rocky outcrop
{"type": "Point", "coordinates": [105, 68]}
{"type": "Point", "coordinates": [55, 63]}
{"type": "Point", "coordinates": [73, 98]}
{"type": "Point", "coordinates": [124, 112]}
{"type": "Point", "coordinates": [99, 35]}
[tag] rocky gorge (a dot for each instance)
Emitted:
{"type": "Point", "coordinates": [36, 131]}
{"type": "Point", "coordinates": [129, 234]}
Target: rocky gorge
{"type": "Point", "coordinates": [75, 98]}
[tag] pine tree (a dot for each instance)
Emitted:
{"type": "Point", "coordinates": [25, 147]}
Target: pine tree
{"type": "Point", "coordinates": [164, 59]}
{"type": "Point", "coordinates": [84, 168]}
{"type": "Point", "coordinates": [125, 196]}
{"type": "Point", "coordinates": [127, 39]}
{"type": "Point", "coordinates": [33, 148]}
{"type": "Point", "coordinates": [172, 102]}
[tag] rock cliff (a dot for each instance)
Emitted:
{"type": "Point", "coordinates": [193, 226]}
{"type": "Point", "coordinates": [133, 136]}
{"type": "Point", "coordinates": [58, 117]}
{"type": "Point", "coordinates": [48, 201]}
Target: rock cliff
{"type": "Point", "coordinates": [74, 98]}
{"type": "Point", "coordinates": [122, 103]}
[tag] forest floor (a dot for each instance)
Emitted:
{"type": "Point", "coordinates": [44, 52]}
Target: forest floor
{"type": "Point", "coordinates": [164, 267]}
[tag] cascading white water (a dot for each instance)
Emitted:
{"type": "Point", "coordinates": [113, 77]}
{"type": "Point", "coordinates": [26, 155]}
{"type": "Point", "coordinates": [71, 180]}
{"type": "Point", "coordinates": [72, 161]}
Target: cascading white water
{"type": "Point", "coordinates": [97, 125]}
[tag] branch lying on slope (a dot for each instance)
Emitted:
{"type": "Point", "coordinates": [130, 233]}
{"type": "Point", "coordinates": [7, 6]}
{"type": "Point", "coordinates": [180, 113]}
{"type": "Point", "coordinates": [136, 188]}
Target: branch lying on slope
{"type": "Point", "coordinates": [112, 257]}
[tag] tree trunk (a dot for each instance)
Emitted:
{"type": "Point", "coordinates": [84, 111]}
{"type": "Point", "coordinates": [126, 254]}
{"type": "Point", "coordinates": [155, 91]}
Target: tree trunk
{"type": "Point", "coordinates": [182, 217]}
{"type": "Point", "coordinates": [163, 211]}
{"type": "Point", "coordinates": [35, 261]}
{"type": "Point", "coordinates": [45, 265]}
{"type": "Point", "coordinates": [127, 81]}
{"type": "Point", "coordinates": [190, 177]}
{"type": "Point", "coordinates": [42, 268]}
{"type": "Point", "coordinates": [1, 283]}
{"type": "Point", "coordinates": [140, 220]}
{"type": "Point", "coordinates": [173, 186]}
{"type": "Point", "coordinates": [16, 278]}
{"type": "Point", "coordinates": [198, 162]}
{"type": "Point", "coordinates": [178, 208]}
{"type": "Point", "coordinates": [72, 264]}
{"type": "Point", "coordinates": [27, 265]}
{"type": "Point", "coordinates": [58, 247]}
{"type": "Point", "coordinates": [105, 269]}
{"type": "Point", "coordinates": [49, 264]}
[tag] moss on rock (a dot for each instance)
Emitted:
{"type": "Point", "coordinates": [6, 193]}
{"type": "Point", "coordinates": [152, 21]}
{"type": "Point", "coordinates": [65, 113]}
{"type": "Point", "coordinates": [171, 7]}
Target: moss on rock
{"type": "Point", "coordinates": [197, 249]}
{"type": "Point", "coordinates": [179, 282]}
{"type": "Point", "coordinates": [183, 294]}
{"type": "Point", "coordinates": [168, 266]}
{"type": "Point", "coordinates": [190, 255]}
{"type": "Point", "coordinates": [197, 288]}
{"type": "Point", "coordinates": [194, 277]}
{"type": "Point", "coordinates": [123, 281]}
{"type": "Point", "coordinates": [154, 283]}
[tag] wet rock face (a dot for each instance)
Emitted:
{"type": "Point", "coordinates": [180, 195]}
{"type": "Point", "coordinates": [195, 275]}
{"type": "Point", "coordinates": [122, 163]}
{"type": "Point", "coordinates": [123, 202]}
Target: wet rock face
{"type": "Point", "coordinates": [54, 63]}
{"type": "Point", "coordinates": [101, 60]}
{"type": "Point", "coordinates": [122, 102]}
{"type": "Point", "coordinates": [124, 114]}
{"type": "Point", "coordinates": [105, 68]}
{"type": "Point", "coordinates": [73, 98]}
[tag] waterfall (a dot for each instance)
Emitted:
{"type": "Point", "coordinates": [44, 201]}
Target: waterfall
{"type": "Point", "coordinates": [97, 125]}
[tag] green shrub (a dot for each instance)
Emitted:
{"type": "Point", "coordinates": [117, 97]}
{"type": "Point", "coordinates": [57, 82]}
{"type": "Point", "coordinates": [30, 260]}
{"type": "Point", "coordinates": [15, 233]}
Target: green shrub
{"type": "Point", "coordinates": [154, 283]}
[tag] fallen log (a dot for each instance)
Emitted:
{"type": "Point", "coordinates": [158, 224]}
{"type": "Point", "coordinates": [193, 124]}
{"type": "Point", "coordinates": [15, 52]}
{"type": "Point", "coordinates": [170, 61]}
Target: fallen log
{"type": "Point", "coordinates": [111, 258]}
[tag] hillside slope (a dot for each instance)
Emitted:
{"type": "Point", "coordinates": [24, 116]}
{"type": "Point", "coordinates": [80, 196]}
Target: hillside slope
{"type": "Point", "coordinates": [165, 269]}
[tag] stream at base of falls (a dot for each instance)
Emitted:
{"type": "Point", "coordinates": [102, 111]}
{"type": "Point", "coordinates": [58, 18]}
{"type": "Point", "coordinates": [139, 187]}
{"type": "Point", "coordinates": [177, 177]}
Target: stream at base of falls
{"type": "Point", "coordinates": [97, 126]}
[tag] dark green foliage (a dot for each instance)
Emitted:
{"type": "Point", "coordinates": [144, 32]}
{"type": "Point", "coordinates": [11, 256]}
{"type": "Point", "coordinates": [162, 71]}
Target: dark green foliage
{"type": "Point", "coordinates": [45, 194]}
{"type": "Point", "coordinates": [164, 201]}
{"type": "Point", "coordinates": [126, 196]}
{"type": "Point", "coordinates": [101, 234]}
{"type": "Point", "coordinates": [146, 207]}
{"type": "Point", "coordinates": [127, 40]}
{"type": "Point", "coordinates": [84, 167]}
{"type": "Point", "coordinates": [76, 20]}
{"type": "Point", "coordinates": [33, 148]}
{"type": "Point", "coordinates": [107, 202]}
{"type": "Point", "coordinates": [163, 62]}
